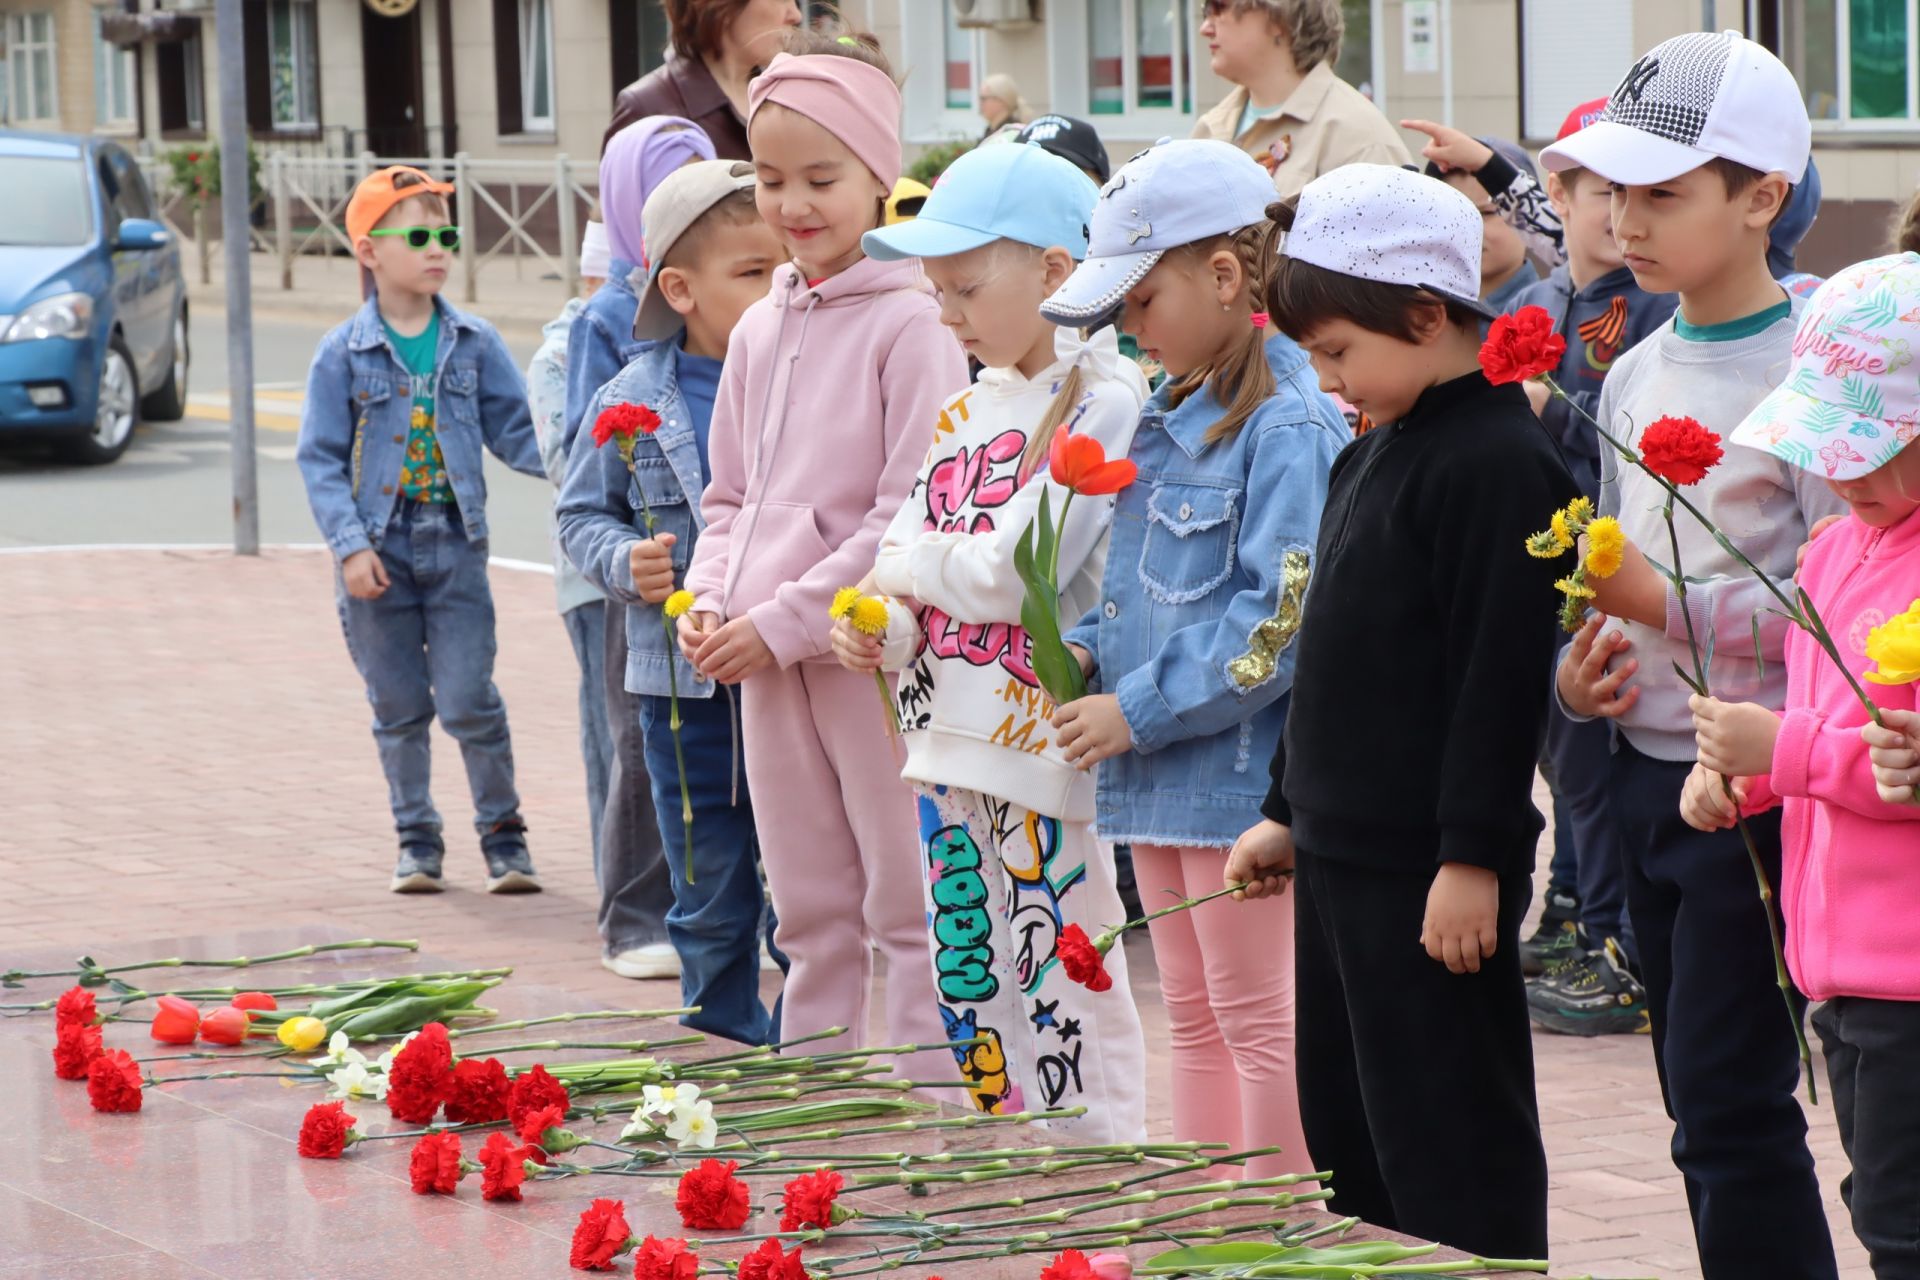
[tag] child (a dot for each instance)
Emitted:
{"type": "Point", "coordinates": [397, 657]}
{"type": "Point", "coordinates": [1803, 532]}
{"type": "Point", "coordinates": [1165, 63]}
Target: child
{"type": "Point", "coordinates": [1191, 638]}
{"type": "Point", "coordinates": [1424, 514]}
{"type": "Point", "coordinates": [1505, 272]}
{"type": "Point", "coordinates": [1851, 859]}
{"type": "Point", "coordinates": [801, 488]}
{"type": "Point", "coordinates": [712, 257]}
{"type": "Point", "coordinates": [400, 400]}
{"type": "Point", "coordinates": [1006, 824]}
{"type": "Point", "coordinates": [1700, 142]}
{"type": "Point", "coordinates": [1073, 140]}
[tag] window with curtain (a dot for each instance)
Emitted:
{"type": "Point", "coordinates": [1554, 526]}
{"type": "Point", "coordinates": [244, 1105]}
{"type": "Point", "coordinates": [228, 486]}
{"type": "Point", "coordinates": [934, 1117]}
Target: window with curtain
{"type": "Point", "coordinates": [1854, 59]}
{"type": "Point", "coordinates": [115, 105]}
{"type": "Point", "coordinates": [957, 50]}
{"type": "Point", "coordinates": [536, 66]}
{"type": "Point", "coordinates": [294, 63]}
{"type": "Point", "coordinates": [30, 63]}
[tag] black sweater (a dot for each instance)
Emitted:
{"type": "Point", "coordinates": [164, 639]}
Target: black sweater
{"type": "Point", "coordinates": [1421, 690]}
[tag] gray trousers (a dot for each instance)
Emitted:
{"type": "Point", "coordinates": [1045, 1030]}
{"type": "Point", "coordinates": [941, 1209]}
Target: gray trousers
{"type": "Point", "coordinates": [631, 868]}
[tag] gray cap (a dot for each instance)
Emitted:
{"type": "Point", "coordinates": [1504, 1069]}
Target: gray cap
{"type": "Point", "coordinates": [675, 205]}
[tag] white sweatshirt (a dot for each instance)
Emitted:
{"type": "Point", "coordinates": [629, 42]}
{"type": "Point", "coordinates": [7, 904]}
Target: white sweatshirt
{"type": "Point", "coordinates": [973, 714]}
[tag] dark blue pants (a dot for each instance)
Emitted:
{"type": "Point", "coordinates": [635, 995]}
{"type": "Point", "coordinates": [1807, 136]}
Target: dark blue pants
{"type": "Point", "coordinates": [1722, 1043]}
{"type": "Point", "coordinates": [1873, 1059]}
{"type": "Point", "coordinates": [716, 920]}
{"type": "Point", "coordinates": [1582, 755]}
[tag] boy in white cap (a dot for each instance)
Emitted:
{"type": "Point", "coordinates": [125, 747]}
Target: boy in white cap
{"type": "Point", "coordinates": [1379, 280]}
{"type": "Point", "coordinates": [1703, 140]}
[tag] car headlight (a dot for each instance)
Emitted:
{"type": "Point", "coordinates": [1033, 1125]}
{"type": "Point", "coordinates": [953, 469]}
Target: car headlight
{"type": "Point", "coordinates": [65, 315]}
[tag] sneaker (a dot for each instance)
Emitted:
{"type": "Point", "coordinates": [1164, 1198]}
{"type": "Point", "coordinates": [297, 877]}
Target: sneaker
{"type": "Point", "coordinates": [1597, 996]}
{"type": "Point", "coordinates": [509, 865]}
{"type": "Point", "coordinates": [654, 960]}
{"type": "Point", "coordinates": [1556, 938]}
{"type": "Point", "coordinates": [418, 870]}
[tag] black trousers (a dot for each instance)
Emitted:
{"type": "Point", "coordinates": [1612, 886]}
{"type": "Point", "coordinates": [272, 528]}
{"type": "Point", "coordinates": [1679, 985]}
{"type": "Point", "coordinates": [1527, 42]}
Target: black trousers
{"type": "Point", "coordinates": [1722, 1042]}
{"type": "Point", "coordinates": [1873, 1062]}
{"type": "Point", "coordinates": [1416, 1084]}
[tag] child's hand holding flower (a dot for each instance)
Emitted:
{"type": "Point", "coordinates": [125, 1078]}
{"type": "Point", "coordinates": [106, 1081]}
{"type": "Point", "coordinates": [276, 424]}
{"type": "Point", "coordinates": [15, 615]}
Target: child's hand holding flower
{"type": "Point", "coordinates": [1894, 750]}
{"type": "Point", "coordinates": [1093, 729]}
{"type": "Point", "coordinates": [857, 650]}
{"type": "Point", "coordinates": [733, 652]}
{"type": "Point", "coordinates": [650, 564]}
{"type": "Point", "coordinates": [1703, 801]}
{"type": "Point", "coordinates": [1735, 738]}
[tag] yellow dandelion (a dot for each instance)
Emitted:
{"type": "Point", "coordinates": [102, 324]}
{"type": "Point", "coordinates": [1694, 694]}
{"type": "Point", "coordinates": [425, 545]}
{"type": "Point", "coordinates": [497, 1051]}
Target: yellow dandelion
{"type": "Point", "coordinates": [678, 603]}
{"type": "Point", "coordinates": [843, 601]}
{"type": "Point", "coordinates": [1606, 547]}
{"type": "Point", "coordinates": [1580, 511]}
{"type": "Point", "coordinates": [1575, 588]}
{"type": "Point", "coordinates": [868, 616]}
{"type": "Point", "coordinates": [1562, 535]}
{"type": "Point", "coordinates": [1544, 546]}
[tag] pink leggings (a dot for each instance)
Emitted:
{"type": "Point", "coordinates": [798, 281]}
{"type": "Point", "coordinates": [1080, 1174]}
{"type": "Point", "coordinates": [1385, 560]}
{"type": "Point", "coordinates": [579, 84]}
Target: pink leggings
{"type": "Point", "coordinates": [1226, 975]}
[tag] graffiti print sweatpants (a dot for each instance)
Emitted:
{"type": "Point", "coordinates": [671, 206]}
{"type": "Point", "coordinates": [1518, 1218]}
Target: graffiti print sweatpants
{"type": "Point", "coordinates": [1001, 883]}
{"type": "Point", "coordinates": [835, 827]}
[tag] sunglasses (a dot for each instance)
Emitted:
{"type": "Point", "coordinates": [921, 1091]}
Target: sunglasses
{"type": "Point", "coordinates": [420, 237]}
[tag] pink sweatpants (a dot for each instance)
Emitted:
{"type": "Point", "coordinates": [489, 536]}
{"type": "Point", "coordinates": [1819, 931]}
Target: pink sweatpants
{"type": "Point", "coordinates": [838, 839]}
{"type": "Point", "coordinates": [1226, 975]}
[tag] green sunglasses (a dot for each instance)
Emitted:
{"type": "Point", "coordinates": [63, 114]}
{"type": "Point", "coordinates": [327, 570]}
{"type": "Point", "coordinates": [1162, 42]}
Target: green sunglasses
{"type": "Point", "coordinates": [420, 237]}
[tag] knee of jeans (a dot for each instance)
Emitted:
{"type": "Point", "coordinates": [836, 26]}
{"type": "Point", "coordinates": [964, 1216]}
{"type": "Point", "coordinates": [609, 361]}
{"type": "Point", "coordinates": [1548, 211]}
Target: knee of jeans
{"type": "Point", "coordinates": [470, 710]}
{"type": "Point", "coordinates": [400, 708]}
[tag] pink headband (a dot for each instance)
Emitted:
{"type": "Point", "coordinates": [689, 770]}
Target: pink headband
{"type": "Point", "coordinates": [855, 101]}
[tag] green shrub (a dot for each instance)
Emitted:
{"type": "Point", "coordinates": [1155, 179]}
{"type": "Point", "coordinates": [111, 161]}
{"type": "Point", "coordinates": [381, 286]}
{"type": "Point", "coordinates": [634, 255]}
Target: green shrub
{"type": "Point", "coordinates": [933, 162]}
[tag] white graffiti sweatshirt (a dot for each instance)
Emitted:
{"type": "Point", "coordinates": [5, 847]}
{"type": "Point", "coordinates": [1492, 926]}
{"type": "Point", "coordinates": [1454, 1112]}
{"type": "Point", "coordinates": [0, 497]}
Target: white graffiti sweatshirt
{"type": "Point", "coordinates": [974, 715]}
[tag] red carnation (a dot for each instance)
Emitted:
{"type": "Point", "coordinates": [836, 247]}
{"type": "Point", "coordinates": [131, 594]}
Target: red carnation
{"type": "Point", "coordinates": [435, 1164]}
{"type": "Point", "coordinates": [809, 1201]}
{"type": "Point", "coordinates": [712, 1199]}
{"type": "Point", "coordinates": [664, 1260]}
{"type": "Point", "coordinates": [502, 1168]}
{"type": "Point", "coordinates": [477, 1094]}
{"type": "Point", "coordinates": [533, 1125]}
{"type": "Point", "coordinates": [327, 1131]}
{"type": "Point", "coordinates": [421, 1075]}
{"type": "Point", "coordinates": [768, 1262]}
{"type": "Point", "coordinates": [1070, 1264]}
{"type": "Point", "coordinates": [1084, 962]}
{"type": "Point", "coordinates": [75, 1047]}
{"type": "Point", "coordinates": [75, 1008]}
{"type": "Point", "coordinates": [1679, 450]}
{"type": "Point", "coordinates": [532, 1091]}
{"type": "Point", "coordinates": [625, 421]}
{"type": "Point", "coordinates": [1521, 346]}
{"type": "Point", "coordinates": [601, 1235]}
{"type": "Point", "coordinates": [113, 1082]}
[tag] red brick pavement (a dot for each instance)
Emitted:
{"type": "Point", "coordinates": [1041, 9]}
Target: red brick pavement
{"type": "Point", "coordinates": [184, 751]}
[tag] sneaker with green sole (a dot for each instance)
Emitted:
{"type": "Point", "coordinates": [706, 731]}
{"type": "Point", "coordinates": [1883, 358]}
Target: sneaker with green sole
{"type": "Point", "coordinates": [1596, 995]}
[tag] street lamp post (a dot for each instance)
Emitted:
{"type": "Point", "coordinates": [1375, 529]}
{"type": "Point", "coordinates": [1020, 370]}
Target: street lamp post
{"type": "Point", "coordinates": [236, 199]}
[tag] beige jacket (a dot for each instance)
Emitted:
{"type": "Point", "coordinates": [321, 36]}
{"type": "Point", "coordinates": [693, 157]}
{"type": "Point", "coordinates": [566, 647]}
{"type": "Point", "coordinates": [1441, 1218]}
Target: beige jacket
{"type": "Point", "coordinates": [1324, 124]}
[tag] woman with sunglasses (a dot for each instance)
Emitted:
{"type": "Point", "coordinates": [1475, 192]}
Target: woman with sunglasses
{"type": "Point", "coordinates": [1288, 109]}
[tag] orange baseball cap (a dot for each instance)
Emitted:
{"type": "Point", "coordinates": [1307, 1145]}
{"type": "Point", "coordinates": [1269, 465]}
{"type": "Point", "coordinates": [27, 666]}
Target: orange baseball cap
{"type": "Point", "coordinates": [376, 194]}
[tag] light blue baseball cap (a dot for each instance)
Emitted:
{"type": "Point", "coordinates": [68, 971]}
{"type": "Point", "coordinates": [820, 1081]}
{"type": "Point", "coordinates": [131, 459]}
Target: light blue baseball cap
{"type": "Point", "coordinates": [995, 193]}
{"type": "Point", "coordinates": [1173, 193]}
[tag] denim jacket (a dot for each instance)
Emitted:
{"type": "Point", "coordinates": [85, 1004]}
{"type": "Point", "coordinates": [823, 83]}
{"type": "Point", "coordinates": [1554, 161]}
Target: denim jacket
{"type": "Point", "coordinates": [601, 515]}
{"type": "Point", "coordinates": [601, 342]}
{"type": "Point", "coordinates": [1204, 589]}
{"type": "Point", "coordinates": [353, 431]}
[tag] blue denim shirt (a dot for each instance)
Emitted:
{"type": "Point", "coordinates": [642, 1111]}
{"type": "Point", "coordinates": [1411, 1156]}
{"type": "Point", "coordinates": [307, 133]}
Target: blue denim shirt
{"type": "Point", "coordinates": [1205, 585]}
{"type": "Point", "coordinates": [601, 514]}
{"type": "Point", "coordinates": [353, 430]}
{"type": "Point", "coordinates": [601, 342]}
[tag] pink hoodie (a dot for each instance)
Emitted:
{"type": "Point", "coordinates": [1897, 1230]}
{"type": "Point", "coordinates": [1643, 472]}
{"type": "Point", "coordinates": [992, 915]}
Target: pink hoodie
{"type": "Point", "coordinates": [825, 409]}
{"type": "Point", "coordinates": [1851, 891]}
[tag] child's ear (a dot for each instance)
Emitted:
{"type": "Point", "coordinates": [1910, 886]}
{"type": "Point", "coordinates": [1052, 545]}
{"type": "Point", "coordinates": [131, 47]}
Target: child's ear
{"type": "Point", "coordinates": [1558, 196]}
{"type": "Point", "coordinates": [675, 289]}
{"type": "Point", "coordinates": [1228, 275]}
{"type": "Point", "coordinates": [1766, 198]}
{"type": "Point", "coordinates": [363, 252]}
{"type": "Point", "coordinates": [1056, 265]}
{"type": "Point", "coordinates": [1430, 320]}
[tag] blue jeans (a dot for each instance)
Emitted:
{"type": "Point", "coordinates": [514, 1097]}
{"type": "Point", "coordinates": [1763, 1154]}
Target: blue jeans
{"type": "Point", "coordinates": [587, 629]}
{"type": "Point", "coordinates": [425, 647]}
{"type": "Point", "coordinates": [716, 922]}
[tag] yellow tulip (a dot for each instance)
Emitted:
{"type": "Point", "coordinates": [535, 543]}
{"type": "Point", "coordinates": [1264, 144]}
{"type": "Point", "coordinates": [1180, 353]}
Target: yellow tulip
{"type": "Point", "coordinates": [1894, 647]}
{"type": "Point", "coordinates": [302, 1035]}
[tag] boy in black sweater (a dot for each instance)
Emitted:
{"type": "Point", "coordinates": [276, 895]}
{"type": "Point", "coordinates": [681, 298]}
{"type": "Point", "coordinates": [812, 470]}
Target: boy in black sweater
{"type": "Point", "coordinates": [1426, 625]}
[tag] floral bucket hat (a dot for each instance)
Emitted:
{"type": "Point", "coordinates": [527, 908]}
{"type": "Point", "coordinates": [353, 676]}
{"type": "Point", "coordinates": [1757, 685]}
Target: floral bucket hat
{"type": "Point", "coordinates": [1851, 398]}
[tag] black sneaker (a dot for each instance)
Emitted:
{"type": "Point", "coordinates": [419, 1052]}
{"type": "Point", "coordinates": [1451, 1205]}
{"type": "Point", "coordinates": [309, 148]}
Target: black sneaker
{"type": "Point", "coordinates": [1597, 996]}
{"type": "Point", "coordinates": [509, 865]}
{"type": "Point", "coordinates": [1557, 938]}
{"type": "Point", "coordinates": [418, 870]}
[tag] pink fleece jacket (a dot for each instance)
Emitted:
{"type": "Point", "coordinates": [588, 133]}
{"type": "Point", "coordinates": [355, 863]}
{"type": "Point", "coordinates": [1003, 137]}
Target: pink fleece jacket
{"type": "Point", "coordinates": [1851, 891]}
{"type": "Point", "coordinates": [826, 407]}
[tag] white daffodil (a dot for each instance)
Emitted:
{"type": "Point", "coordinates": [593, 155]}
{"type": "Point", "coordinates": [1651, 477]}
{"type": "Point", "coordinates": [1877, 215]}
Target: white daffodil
{"type": "Point", "coordinates": [385, 1064]}
{"type": "Point", "coordinates": [662, 1099]}
{"type": "Point", "coordinates": [641, 1125]}
{"type": "Point", "coordinates": [340, 1052]}
{"type": "Point", "coordinates": [693, 1125]}
{"type": "Point", "coordinates": [354, 1081]}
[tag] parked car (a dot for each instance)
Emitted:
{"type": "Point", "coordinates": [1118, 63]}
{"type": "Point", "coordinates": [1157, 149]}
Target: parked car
{"type": "Point", "coordinates": [93, 308]}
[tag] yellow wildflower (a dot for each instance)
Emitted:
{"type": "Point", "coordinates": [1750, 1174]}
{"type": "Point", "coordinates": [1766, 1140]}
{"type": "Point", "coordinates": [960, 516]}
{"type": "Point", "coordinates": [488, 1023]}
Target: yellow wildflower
{"type": "Point", "coordinates": [678, 603]}
{"type": "Point", "coordinates": [843, 601]}
{"type": "Point", "coordinates": [1576, 587]}
{"type": "Point", "coordinates": [1606, 547]}
{"type": "Point", "coordinates": [868, 616]}
{"type": "Point", "coordinates": [1562, 535]}
{"type": "Point", "coordinates": [1580, 511]}
{"type": "Point", "coordinates": [1545, 545]}
{"type": "Point", "coordinates": [1894, 647]}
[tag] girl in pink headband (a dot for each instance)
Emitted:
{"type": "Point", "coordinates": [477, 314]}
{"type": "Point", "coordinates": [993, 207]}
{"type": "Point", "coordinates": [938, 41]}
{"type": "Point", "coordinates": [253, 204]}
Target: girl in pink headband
{"type": "Point", "coordinates": [826, 407]}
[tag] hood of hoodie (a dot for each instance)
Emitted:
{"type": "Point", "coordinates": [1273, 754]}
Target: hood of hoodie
{"type": "Point", "coordinates": [856, 284]}
{"type": "Point", "coordinates": [1791, 227]}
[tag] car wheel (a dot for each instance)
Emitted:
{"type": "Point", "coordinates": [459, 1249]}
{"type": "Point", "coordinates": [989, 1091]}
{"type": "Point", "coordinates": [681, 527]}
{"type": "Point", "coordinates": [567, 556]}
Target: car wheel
{"type": "Point", "coordinates": [116, 411]}
{"type": "Point", "coordinates": [168, 403]}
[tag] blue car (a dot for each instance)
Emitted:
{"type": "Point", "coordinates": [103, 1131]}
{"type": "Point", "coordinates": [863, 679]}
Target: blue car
{"type": "Point", "coordinates": [93, 308]}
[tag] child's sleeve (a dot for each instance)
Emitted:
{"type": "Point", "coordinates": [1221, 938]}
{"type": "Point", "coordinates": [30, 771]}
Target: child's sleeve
{"type": "Point", "coordinates": [324, 453]}
{"type": "Point", "coordinates": [1085, 634]}
{"type": "Point", "coordinates": [593, 360]}
{"type": "Point", "coordinates": [919, 371]}
{"type": "Point", "coordinates": [546, 392]}
{"type": "Point", "coordinates": [727, 478]}
{"type": "Point", "coordinates": [970, 576]}
{"type": "Point", "coordinates": [1815, 758]}
{"type": "Point", "coordinates": [1210, 676]}
{"type": "Point", "coordinates": [506, 419]}
{"type": "Point", "coordinates": [1523, 204]}
{"type": "Point", "coordinates": [902, 641]}
{"type": "Point", "coordinates": [595, 516]}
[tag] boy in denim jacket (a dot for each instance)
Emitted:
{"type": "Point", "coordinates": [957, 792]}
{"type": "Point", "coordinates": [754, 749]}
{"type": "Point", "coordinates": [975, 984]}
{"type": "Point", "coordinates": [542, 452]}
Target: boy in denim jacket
{"type": "Point", "coordinates": [711, 258]}
{"type": "Point", "coordinates": [399, 401]}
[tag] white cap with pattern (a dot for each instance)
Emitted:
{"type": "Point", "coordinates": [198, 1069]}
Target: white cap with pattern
{"type": "Point", "coordinates": [1391, 225]}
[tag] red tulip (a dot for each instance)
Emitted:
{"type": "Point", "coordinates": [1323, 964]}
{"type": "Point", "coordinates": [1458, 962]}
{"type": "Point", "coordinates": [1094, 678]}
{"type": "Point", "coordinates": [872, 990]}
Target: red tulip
{"type": "Point", "coordinates": [177, 1021]}
{"type": "Point", "coordinates": [254, 1000]}
{"type": "Point", "coordinates": [1080, 464]}
{"type": "Point", "coordinates": [225, 1026]}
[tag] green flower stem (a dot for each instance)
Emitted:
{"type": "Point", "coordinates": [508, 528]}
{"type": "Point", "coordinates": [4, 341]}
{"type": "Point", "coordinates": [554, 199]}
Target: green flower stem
{"type": "Point", "coordinates": [543, 1046]}
{"type": "Point", "coordinates": [918, 1126]}
{"type": "Point", "coordinates": [1106, 940]}
{"type": "Point", "coordinates": [133, 995]}
{"type": "Point", "coordinates": [1120, 1186]}
{"type": "Point", "coordinates": [203, 1055]}
{"type": "Point", "coordinates": [91, 974]}
{"type": "Point", "coordinates": [637, 1015]}
{"type": "Point", "coordinates": [768, 1050]}
{"type": "Point", "coordinates": [153, 1080]}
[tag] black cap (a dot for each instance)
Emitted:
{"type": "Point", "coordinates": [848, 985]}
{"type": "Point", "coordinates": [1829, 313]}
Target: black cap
{"type": "Point", "coordinates": [1072, 140]}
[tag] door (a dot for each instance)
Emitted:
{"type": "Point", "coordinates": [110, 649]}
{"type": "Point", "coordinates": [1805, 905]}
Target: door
{"type": "Point", "coordinates": [396, 108]}
{"type": "Point", "coordinates": [137, 300]}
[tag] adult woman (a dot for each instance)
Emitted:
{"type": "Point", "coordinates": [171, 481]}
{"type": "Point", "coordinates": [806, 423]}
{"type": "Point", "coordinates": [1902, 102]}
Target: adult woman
{"type": "Point", "coordinates": [1288, 109]}
{"type": "Point", "coordinates": [1003, 107]}
{"type": "Point", "coordinates": [718, 45]}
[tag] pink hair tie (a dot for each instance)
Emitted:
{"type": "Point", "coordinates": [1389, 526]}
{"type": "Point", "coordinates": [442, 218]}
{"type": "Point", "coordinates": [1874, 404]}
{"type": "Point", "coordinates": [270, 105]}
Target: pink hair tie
{"type": "Point", "coordinates": [1259, 319]}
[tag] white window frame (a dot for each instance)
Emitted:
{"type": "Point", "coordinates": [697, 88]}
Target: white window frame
{"type": "Point", "coordinates": [114, 77]}
{"type": "Point", "coordinates": [1843, 79]}
{"type": "Point", "coordinates": [193, 62]}
{"type": "Point", "coordinates": [923, 35]}
{"type": "Point", "coordinates": [23, 81]}
{"type": "Point", "coordinates": [1069, 50]}
{"type": "Point", "coordinates": [532, 121]}
{"type": "Point", "coordinates": [296, 23]}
